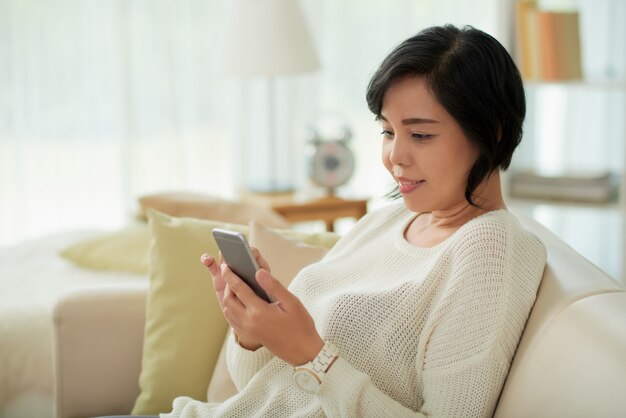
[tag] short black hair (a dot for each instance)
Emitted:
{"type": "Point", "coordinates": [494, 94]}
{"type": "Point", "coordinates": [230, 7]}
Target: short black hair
{"type": "Point", "coordinates": [474, 78]}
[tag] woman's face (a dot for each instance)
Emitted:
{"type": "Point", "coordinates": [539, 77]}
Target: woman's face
{"type": "Point", "coordinates": [424, 148]}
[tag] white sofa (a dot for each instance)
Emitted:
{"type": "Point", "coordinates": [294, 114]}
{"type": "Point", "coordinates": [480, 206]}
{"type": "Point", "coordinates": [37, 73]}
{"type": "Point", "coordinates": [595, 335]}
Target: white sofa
{"type": "Point", "coordinates": [571, 361]}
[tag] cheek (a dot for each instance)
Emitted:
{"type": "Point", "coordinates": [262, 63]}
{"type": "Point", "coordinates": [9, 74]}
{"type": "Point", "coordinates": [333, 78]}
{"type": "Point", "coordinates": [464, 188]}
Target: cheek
{"type": "Point", "coordinates": [459, 160]}
{"type": "Point", "coordinates": [384, 155]}
{"type": "Point", "coordinates": [467, 160]}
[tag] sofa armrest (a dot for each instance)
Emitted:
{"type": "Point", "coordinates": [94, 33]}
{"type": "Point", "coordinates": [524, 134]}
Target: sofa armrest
{"type": "Point", "coordinates": [578, 366]}
{"type": "Point", "coordinates": [98, 341]}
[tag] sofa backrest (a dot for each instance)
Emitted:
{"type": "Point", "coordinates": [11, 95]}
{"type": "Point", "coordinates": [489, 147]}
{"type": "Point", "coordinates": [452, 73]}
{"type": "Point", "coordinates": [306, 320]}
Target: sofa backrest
{"type": "Point", "coordinates": [571, 360]}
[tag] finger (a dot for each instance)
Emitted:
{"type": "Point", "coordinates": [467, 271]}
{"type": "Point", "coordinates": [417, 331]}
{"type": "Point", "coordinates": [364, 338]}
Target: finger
{"type": "Point", "coordinates": [233, 309]}
{"type": "Point", "coordinates": [239, 288]}
{"type": "Point", "coordinates": [233, 318]}
{"type": "Point", "coordinates": [260, 260]}
{"type": "Point", "coordinates": [229, 295]}
{"type": "Point", "coordinates": [283, 298]}
{"type": "Point", "coordinates": [218, 283]}
{"type": "Point", "coordinates": [216, 275]}
{"type": "Point", "coordinates": [209, 262]}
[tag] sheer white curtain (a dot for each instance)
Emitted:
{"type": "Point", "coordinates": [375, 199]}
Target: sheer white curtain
{"type": "Point", "coordinates": [102, 101]}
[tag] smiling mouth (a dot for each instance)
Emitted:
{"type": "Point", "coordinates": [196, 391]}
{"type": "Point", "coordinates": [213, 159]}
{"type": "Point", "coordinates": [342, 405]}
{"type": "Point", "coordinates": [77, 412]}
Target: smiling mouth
{"type": "Point", "coordinates": [406, 186]}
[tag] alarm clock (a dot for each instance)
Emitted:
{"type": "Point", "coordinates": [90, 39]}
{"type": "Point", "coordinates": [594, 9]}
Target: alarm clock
{"type": "Point", "coordinates": [330, 161]}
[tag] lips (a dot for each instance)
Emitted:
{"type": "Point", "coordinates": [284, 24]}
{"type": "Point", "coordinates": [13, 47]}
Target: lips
{"type": "Point", "coordinates": [408, 185]}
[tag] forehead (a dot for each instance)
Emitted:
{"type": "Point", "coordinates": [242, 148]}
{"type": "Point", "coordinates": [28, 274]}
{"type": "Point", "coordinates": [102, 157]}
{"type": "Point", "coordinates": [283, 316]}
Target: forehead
{"type": "Point", "coordinates": [411, 96]}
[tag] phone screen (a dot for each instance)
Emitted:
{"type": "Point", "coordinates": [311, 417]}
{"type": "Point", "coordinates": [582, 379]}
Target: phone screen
{"type": "Point", "coordinates": [239, 258]}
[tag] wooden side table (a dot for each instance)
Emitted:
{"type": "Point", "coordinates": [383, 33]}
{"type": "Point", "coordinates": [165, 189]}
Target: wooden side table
{"type": "Point", "coordinates": [327, 209]}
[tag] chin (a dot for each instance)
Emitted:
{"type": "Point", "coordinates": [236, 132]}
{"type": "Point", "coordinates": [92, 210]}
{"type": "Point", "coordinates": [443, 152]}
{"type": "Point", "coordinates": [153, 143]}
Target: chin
{"type": "Point", "coordinates": [417, 207]}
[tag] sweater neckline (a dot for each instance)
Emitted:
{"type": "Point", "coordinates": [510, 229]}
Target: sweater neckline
{"type": "Point", "coordinates": [403, 245]}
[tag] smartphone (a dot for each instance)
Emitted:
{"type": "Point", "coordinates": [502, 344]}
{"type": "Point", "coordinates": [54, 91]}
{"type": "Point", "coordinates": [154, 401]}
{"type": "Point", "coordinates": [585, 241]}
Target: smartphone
{"type": "Point", "coordinates": [239, 258]}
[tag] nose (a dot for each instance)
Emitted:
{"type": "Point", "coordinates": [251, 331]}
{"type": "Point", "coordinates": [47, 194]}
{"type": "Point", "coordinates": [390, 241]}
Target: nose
{"type": "Point", "coordinates": [399, 153]}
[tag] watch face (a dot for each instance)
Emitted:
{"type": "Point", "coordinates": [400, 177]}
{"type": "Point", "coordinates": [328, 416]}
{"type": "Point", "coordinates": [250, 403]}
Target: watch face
{"type": "Point", "coordinates": [306, 380]}
{"type": "Point", "coordinates": [331, 163]}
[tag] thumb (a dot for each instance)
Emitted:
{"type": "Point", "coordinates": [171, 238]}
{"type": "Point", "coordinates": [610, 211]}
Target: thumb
{"type": "Point", "coordinates": [274, 287]}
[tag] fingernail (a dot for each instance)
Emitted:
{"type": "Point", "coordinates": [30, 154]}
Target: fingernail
{"type": "Point", "coordinates": [204, 259]}
{"type": "Point", "coordinates": [262, 274]}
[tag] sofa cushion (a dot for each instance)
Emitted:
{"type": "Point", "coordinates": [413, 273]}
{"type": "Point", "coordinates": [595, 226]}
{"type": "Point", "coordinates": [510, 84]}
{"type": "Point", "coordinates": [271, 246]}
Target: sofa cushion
{"type": "Point", "coordinates": [201, 206]}
{"type": "Point", "coordinates": [568, 278]}
{"type": "Point", "coordinates": [577, 368]}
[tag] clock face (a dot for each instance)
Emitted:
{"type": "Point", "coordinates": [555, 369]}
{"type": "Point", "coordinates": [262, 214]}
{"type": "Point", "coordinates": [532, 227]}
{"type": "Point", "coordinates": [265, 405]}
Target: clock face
{"type": "Point", "coordinates": [331, 163]}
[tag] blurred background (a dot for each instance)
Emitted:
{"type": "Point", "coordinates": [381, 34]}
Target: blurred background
{"type": "Point", "coordinates": [104, 101]}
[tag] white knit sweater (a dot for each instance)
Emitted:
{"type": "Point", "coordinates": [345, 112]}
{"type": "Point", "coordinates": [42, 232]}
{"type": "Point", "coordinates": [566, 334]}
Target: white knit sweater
{"type": "Point", "coordinates": [421, 331]}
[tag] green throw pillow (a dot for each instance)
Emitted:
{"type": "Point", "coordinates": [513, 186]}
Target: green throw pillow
{"type": "Point", "coordinates": [184, 325]}
{"type": "Point", "coordinates": [185, 328]}
{"type": "Point", "coordinates": [124, 250]}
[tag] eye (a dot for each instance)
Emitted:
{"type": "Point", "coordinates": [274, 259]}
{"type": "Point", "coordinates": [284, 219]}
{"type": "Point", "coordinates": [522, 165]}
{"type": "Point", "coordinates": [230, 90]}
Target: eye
{"type": "Point", "coordinates": [420, 137]}
{"type": "Point", "coordinates": [387, 133]}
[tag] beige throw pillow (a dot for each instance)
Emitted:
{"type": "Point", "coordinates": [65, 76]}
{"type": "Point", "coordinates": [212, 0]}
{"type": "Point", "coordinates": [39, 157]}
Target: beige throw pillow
{"type": "Point", "coordinates": [286, 257]}
{"type": "Point", "coordinates": [195, 205]}
{"type": "Point", "coordinates": [286, 252]}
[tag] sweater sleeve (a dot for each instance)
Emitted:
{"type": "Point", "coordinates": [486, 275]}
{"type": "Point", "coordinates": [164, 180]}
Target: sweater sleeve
{"type": "Point", "coordinates": [244, 364]}
{"type": "Point", "coordinates": [347, 392]}
{"type": "Point", "coordinates": [477, 322]}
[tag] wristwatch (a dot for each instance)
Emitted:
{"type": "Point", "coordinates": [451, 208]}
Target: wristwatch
{"type": "Point", "coordinates": [309, 376]}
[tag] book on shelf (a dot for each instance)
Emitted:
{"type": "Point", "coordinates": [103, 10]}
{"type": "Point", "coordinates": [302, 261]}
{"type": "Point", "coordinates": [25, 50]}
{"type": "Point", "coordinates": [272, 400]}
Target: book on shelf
{"type": "Point", "coordinates": [527, 38]}
{"type": "Point", "coordinates": [548, 43]}
{"type": "Point", "coordinates": [593, 187]}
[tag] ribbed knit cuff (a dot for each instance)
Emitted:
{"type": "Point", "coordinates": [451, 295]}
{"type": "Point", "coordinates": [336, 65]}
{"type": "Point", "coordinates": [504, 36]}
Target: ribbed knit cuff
{"type": "Point", "coordinates": [244, 364]}
{"type": "Point", "coordinates": [340, 377]}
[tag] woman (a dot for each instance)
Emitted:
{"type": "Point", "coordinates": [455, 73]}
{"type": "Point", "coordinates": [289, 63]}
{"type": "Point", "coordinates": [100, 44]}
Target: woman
{"type": "Point", "coordinates": [418, 310]}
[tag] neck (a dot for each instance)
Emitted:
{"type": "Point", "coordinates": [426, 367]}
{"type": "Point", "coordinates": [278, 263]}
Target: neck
{"type": "Point", "coordinates": [487, 197]}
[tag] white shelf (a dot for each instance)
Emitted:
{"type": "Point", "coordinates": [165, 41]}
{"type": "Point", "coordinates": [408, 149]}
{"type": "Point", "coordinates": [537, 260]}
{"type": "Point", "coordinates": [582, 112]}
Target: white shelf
{"type": "Point", "coordinates": [529, 203]}
{"type": "Point", "coordinates": [608, 84]}
{"type": "Point", "coordinates": [596, 232]}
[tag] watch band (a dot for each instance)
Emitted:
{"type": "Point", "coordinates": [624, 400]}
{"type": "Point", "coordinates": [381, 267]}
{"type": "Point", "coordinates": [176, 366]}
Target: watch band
{"type": "Point", "coordinates": [322, 362]}
{"type": "Point", "coordinates": [309, 376]}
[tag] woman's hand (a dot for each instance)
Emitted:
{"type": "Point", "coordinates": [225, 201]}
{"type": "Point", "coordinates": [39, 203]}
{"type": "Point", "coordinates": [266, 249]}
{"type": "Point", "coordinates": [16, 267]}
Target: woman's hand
{"type": "Point", "coordinates": [221, 289]}
{"type": "Point", "coordinates": [285, 327]}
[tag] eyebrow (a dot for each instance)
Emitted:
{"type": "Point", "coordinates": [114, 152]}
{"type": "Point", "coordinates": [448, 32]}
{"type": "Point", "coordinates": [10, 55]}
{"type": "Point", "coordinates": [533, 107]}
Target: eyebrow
{"type": "Point", "coordinates": [412, 121]}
